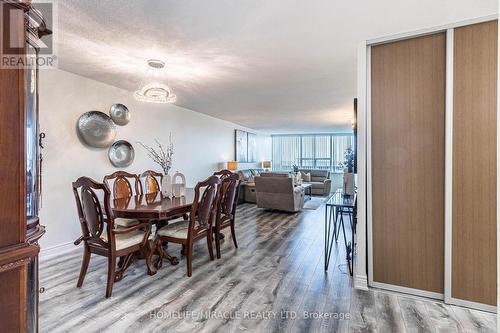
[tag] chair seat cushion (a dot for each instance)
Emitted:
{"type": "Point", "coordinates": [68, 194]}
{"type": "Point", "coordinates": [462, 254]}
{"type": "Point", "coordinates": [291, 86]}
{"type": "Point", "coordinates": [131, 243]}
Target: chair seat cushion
{"type": "Point", "coordinates": [176, 230]}
{"type": "Point", "coordinates": [126, 240]}
{"type": "Point", "coordinates": [121, 222]}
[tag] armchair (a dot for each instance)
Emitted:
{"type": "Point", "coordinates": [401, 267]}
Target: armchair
{"type": "Point", "coordinates": [320, 181]}
{"type": "Point", "coordinates": [277, 191]}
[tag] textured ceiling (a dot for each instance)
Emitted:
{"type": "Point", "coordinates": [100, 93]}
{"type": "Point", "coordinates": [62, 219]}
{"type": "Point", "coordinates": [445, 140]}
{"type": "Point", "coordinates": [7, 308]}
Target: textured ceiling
{"type": "Point", "coordinates": [272, 65]}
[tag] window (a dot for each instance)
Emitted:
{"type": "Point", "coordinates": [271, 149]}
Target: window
{"type": "Point", "coordinates": [314, 151]}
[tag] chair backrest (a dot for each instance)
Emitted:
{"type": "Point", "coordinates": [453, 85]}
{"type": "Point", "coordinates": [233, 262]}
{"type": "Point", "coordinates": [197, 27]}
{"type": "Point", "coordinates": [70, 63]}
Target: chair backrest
{"type": "Point", "coordinates": [277, 184]}
{"type": "Point", "coordinates": [150, 181]}
{"type": "Point", "coordinates": [228, 192]}
{"type": "Point", "coordinates": [122, 187]}
{"type": "Point", "coordinates": [275, 174]}
{"type": "Point", "coordinates": [224, 173]}
{"type": "Point", "coordinates": [202, 209]}
{"type": "Point", "coordinates": [92, 218]}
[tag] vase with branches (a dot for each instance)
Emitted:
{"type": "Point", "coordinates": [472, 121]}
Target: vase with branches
{"type": "Point", "coordinates": [349, 159]}
{"type": "Point", "coordinates": [164, 158]}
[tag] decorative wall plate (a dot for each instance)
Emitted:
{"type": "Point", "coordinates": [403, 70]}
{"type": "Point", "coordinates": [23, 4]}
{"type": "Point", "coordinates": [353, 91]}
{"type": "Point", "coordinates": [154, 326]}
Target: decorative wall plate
{"type": "Point", "coordinates": [96, 129]}
{"type": "Point", "coordinates": [121, 154]}
{"type": "Point", "coordinates": [120, 114]}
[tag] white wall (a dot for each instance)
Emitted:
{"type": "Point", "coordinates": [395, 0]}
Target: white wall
{"type": "Point", "coordinates": [360, 274]}
{"type": "Point", "coordinates": [202, 143]}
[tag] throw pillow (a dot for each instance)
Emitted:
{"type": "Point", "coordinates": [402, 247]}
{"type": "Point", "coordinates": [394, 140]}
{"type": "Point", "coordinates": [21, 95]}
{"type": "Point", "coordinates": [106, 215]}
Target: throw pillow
{"type": "Point", "coordinates": [306, 177]}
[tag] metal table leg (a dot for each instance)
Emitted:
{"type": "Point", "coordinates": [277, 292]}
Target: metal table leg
{"type": "Point", "coordinates": [329, 237]}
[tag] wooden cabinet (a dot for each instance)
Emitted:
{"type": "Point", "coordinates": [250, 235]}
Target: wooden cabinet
{"type": "Point", "coordinates": [20, 228]}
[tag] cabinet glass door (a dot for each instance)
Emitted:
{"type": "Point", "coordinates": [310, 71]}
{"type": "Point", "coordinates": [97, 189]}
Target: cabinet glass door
{"type": "Point", "coordinates": [31, 138]}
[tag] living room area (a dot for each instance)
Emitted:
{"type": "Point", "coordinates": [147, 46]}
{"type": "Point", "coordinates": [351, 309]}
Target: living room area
{"type": "Point", "coordinates": [313, 167]}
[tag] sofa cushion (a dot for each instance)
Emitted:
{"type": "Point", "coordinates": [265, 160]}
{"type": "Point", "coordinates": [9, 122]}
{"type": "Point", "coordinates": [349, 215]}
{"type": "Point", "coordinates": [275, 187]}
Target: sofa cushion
{"type": "Point", "coordinates": [319, 173]}
{"type": "Point", "coordinates": [273, 184]}
{"type": "Point", "coordinates": [244, 175]}
{"type": "Point", "coordinates": [306, 176]}
{"type": "Point", "coordinates": [318, 179]}
{"type": "Point", "coordinates": [256, 172]}
{"type": "Point", "coordinates": [275, 174]}
{"type": "Point", "coordinates": [318, 185]}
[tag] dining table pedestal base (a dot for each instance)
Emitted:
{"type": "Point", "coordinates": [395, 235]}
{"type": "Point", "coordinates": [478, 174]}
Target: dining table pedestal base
{"type": "Point", "coordinates": [163, 254]}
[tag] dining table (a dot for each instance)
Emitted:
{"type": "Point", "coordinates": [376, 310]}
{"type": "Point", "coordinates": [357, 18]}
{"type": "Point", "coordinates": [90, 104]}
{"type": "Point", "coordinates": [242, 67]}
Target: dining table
{"type": "Point", "coordinates": [156, 209]}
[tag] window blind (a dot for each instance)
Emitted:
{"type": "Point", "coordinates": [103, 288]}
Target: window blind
{"type": "Point", "coordinates": [314, 151]}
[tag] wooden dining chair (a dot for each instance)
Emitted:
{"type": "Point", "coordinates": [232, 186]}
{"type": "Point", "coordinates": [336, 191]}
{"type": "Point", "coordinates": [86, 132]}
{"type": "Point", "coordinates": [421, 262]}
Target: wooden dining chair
{"type": "Point", "coordinates": [198, 227]}
{"type": "Point", "coordinates": [100, 234]}
{"type": "Point", "coordinates": [150, 181]}
{"type": "Point", "coordinates": [227, 200]}
{"type": "Point", "coordinates": [122, 188]}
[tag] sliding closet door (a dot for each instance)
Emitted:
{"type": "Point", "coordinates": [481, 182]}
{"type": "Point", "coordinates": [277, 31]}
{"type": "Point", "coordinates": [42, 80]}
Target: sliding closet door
{"type": "Point", "coordinates": [474, 244]}
{"type": "Point", "coordinates": [407, 164]}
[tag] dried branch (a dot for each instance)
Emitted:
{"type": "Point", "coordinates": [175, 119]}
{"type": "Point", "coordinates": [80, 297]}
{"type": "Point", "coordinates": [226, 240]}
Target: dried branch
{"type": "Point", "coordinates": [161, 156]}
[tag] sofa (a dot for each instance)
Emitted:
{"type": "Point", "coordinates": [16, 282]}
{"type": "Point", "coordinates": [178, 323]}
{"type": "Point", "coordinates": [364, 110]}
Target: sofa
{"type": "Point", "coordinates": [247, 185]}
{"type": "Point", "coordinates": [277, 191]}
{"type": "Point", "coordinates": [320, 181]}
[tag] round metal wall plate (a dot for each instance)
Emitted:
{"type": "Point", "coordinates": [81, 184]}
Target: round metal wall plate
{"type": "Point", "coordinates": [121, 154]}
{"type": "Point", "coordinates": [120, 114]}
{"type": "Point", "coordinates": [96, 129]}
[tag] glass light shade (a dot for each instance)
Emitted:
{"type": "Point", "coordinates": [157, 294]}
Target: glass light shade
{"type": "Point", "coordinates": [152, 90]}
{"type": "Point", "coordinates": [232, 165]}
{"type": "Point", "coordinates": [155, 93]}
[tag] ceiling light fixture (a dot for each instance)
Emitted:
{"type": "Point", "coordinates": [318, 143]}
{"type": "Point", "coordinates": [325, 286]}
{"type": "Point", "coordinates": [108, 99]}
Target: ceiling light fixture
{"type": "Point", "coordinates": [153, 91]}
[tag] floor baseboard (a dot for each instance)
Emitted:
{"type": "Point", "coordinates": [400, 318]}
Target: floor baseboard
{"type": "Point", "coordinates": [56, 251]}
{"type": "Point", "coordinates": [361, 282]}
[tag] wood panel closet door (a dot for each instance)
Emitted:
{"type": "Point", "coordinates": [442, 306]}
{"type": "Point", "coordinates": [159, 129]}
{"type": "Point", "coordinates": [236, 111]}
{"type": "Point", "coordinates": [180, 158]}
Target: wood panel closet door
{"type": "Point", "coordinates": [407, 162]}
{"type": "Point", "coordinates": [474, 244]}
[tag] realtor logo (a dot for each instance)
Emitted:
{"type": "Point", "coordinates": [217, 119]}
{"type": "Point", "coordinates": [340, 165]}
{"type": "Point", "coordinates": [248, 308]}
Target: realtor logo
{"type": "Point", "coordinates": [20, 50]}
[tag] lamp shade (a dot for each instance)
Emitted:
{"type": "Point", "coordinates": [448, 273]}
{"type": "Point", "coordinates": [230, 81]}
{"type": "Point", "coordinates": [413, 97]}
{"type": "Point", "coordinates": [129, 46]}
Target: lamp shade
{"type": "Point", "coordinates": [266, 164]}
{"type": "Point", "coordinates": [232, 165]}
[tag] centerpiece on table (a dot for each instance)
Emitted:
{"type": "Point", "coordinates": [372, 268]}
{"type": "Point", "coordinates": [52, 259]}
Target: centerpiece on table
{"type": "Point", "coordinates": [349, 171]}
{"type": "Point", "coordinates": [163, 157]}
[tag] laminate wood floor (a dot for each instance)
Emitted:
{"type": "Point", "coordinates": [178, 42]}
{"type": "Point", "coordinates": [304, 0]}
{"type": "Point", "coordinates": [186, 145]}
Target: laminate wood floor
{"type": "Point", "coordinates": [274, 282]}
